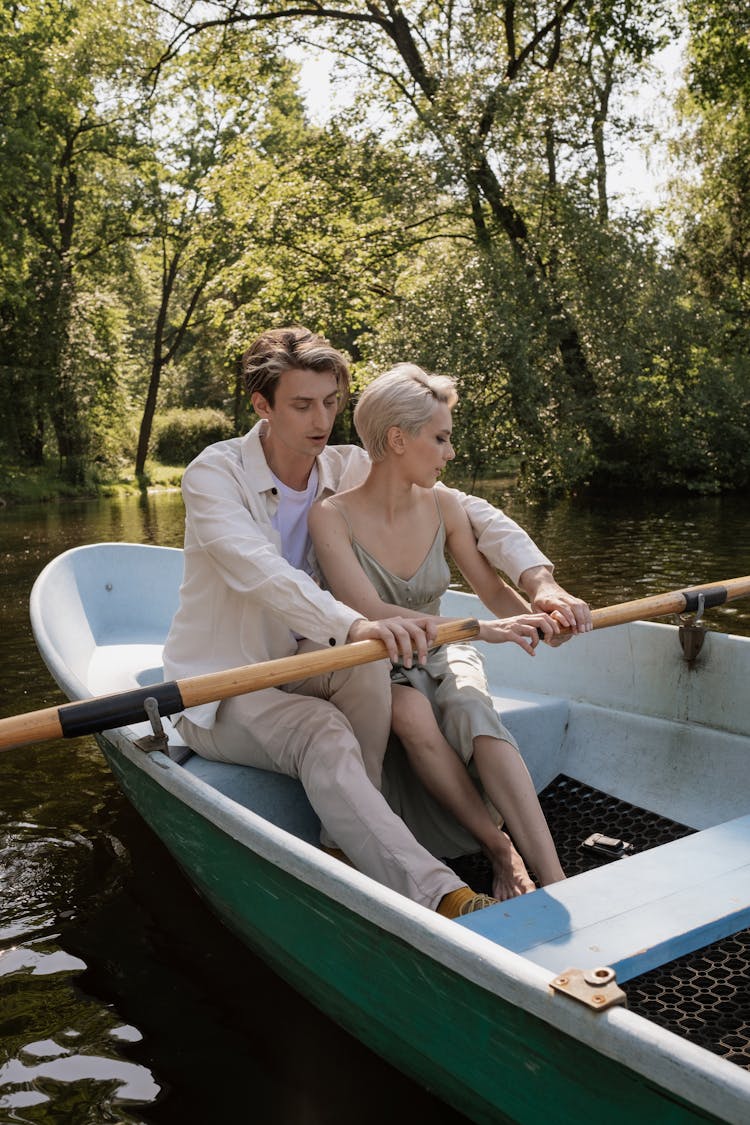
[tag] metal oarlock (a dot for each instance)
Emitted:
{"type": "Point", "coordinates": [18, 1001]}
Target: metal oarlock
{"type": "Point", "coordinates": [692, 631]}
{"type": "Point", "coordinates": [157, 740]}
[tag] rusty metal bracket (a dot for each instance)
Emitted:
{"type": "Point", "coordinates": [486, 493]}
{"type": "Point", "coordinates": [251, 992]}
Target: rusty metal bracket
{"type": "Point", "coordinates": [596, 988]}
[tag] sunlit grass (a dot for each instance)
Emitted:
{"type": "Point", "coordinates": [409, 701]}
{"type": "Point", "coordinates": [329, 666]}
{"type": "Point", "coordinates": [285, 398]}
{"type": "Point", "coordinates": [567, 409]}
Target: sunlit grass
{"type": "Point", "coordinates": [43, 483]}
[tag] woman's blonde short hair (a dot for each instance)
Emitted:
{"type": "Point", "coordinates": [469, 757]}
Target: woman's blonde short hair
{"type": "Point", "coordinates": [405, 397]}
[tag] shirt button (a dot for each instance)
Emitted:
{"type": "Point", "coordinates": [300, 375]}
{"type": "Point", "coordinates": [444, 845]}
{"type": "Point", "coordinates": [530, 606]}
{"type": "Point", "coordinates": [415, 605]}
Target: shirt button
{"type": "Point", "coordinates": [332, 640]}
{"type": "Point", "coordinates": [274, 491]}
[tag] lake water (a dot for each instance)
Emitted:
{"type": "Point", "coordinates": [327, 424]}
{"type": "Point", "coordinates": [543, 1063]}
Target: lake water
{"type": "Point", "coordinates": [121, 998]}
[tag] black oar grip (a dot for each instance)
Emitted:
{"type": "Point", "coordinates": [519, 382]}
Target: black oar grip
{"type": "Point", "coordinates": [92, 715]}
{"type": "Point", "coordinates": [716, 595]}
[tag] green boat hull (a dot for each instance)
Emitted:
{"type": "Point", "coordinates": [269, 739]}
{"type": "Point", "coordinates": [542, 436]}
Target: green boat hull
{"type": "Point", "coordinates": [487, 1057]}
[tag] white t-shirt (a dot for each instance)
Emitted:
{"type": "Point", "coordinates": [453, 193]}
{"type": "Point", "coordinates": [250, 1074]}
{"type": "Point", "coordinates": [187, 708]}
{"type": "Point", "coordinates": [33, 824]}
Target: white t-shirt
{"type": "Point", "coordinates": [290, 520]}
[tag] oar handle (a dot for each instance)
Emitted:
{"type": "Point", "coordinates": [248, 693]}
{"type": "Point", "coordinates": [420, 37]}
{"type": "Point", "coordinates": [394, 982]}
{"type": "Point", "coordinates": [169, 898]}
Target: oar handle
{"type": "Point", "coordinates": [109, 711]}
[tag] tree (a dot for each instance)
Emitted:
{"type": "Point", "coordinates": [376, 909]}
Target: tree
{"type": "Point", "coordinates": [470, 89]}
{"type": "Point", "coordinates": [230, 213]}
{"type": "Point", "coordinates": [715, 215]}
{"type": "Point", "coordinates": [68, 115]}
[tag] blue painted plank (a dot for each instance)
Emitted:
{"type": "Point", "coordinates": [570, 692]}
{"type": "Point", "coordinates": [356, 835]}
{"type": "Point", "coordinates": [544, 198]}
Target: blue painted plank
{"type": "Point", "coordinates": [636, 913]}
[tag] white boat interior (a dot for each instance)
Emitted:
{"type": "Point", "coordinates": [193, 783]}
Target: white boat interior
{"type": "Point", "coordinates": [619, 715]}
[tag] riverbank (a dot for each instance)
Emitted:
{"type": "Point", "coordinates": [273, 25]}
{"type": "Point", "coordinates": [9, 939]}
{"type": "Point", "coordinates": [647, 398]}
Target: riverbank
{"type": "Point", "coordinates": [42, 484]}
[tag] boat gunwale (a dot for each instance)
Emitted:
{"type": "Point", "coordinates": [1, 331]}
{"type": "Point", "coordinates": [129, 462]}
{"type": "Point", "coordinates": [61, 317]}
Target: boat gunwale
{"type": "Point", "coordinates": [691, 1072]}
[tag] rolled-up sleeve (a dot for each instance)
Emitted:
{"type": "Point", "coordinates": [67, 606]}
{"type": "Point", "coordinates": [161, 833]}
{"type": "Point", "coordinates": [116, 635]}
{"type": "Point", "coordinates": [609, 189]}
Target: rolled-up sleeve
{"type": "Point", "coordinates": [500, 539]}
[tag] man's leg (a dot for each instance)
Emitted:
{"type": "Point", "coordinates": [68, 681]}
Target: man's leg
{"type": "Point", "coordinates": [363, 695]}
{"type": "Point", "coordinates": [309, 738]}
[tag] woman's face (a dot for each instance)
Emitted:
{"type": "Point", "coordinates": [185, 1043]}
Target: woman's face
{"type": "Point", "coordinates": [429, 450]}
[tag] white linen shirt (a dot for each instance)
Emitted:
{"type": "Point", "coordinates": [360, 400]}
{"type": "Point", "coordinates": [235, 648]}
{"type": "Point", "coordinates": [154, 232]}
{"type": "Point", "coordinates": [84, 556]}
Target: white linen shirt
{"type": "Point", "coordinates": [240, 600]}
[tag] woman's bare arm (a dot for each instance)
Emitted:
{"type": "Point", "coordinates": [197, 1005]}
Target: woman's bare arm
{"type": "Point", "coordinates": [495, 594]}
{"type": "Point", "coordinates": [515, 620]}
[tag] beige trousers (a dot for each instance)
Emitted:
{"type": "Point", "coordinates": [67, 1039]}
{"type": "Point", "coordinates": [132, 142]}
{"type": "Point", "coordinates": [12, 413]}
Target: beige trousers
{"type": "Point", "coordinates": [331, 732]}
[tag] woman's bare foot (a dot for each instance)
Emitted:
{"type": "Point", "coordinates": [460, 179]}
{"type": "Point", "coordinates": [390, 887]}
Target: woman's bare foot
{"type": "Point", "coordinates": [522, 876]}
{"type": "Point", "coordinates": [509, 875]}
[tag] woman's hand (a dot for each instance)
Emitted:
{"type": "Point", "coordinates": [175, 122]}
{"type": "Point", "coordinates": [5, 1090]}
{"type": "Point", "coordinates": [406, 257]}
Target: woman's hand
{"type": "Point", "coordinates": [523, 630]}
{"type": "Point", "coordinates": [402, 636]}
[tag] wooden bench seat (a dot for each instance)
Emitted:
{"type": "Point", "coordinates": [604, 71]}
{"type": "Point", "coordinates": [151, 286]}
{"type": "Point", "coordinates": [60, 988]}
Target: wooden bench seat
{"type": "Point", "coordinates": [633, 914]}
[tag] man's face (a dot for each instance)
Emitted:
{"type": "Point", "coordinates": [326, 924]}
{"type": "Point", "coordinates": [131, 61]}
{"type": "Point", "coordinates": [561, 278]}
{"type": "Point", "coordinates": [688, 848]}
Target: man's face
{"type": "Point", "coordinates": [303, 413]}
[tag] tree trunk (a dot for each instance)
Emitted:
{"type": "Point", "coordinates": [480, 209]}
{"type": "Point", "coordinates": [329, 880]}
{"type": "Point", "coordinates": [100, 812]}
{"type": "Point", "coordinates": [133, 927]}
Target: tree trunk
{"type": "Point", "coordinates": [149, 409]}
{"type": "Point", "coordinates": [597, 131]}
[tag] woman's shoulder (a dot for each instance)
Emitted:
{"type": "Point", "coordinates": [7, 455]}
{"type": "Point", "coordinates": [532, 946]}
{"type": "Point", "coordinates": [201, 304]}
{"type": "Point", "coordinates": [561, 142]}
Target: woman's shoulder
{"type": "Point", "coordinates": [337, 501]}
{"type": "Point", "coordinates": [330, 510]}
{"type": "Point", "coordinates": [449, 505]}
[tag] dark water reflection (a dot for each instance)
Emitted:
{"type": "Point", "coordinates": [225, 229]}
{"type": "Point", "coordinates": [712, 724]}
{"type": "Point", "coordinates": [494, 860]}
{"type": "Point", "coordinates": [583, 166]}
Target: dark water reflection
{"type": "Point", "coordinates": [616, 550]}
{"type": "Point", "coordinates": [121, 998]}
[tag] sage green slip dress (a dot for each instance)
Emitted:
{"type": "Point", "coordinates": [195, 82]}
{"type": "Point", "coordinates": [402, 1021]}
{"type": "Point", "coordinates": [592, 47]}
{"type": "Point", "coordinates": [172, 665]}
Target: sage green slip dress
{"type": "Point", "coordinates": [454, 682]}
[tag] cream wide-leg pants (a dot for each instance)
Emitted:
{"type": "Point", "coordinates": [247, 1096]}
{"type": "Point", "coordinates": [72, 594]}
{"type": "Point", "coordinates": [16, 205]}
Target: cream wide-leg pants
{"type": "Point", "coordinates": [331, 733]}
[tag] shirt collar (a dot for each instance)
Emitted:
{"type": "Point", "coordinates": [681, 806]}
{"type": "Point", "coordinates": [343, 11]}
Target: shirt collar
{"type": "Point", "coordinates": [254, 459]}
{"type": "Point", "coordinates": [255, 465]}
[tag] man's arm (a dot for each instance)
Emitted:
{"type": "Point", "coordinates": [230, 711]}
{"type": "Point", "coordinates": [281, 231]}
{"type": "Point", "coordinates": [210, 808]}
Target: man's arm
{"type": "Point", "coordinates": [547, 596]}
{"type": "Point", "coordinates": [500, 539]}
{"type": "Point", "coordinates": [248, 562]}
{"type": "Point", "coordinates": [509, 548]}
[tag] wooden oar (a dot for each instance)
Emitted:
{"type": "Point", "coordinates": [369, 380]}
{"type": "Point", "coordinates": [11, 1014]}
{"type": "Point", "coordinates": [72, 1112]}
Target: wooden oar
{"type": "Point", "coordinates": [676, 601]}
{"type": "Point", "coordinates": [109, 711]}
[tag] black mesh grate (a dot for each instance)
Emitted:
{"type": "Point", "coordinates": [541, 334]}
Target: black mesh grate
{"type": "Point", "coordinates": [704, 996]}
{"type": "Point", "coordinates": [574, 811]}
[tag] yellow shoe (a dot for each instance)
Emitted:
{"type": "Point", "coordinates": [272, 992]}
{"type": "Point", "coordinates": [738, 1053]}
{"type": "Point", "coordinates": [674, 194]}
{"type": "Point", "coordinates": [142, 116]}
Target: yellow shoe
{"type": "Point", "coordinates": [337, 854]}
{"type": "Point", "coordinates": [463, 901]}
{"type": "Point", "coordinates": [477, 902]}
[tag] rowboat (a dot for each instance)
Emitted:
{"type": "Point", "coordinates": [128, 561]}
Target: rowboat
{"type": "Point", "coordinates": [622, 993]}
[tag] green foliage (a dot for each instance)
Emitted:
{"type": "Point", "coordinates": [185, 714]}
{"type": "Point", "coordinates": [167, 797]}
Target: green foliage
{"type": "Point", "coordinates": [461, 313]}
{"type": "Point", "coordinates": [719, 50]}
{"type": "Point", "coordinates": [316, 246]}
{"type": "Point", "coordinates": [456, 214]}
{"type": "Point", "coordinates": [180, 435]}
{"type": "Point", "coordinates": [712, 209]}
{"type": "Point", "coordinates": [70, 128]}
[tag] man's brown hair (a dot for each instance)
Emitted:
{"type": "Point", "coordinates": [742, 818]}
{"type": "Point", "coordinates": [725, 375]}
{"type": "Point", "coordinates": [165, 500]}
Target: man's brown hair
{"type": "Point", "coordinates": [288, 349]}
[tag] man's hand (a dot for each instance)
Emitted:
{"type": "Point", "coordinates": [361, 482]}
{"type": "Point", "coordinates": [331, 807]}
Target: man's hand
{"type": "Point", "coordinates": [402, 636]}
{"type": "Point", "coordinates": [547, 596]}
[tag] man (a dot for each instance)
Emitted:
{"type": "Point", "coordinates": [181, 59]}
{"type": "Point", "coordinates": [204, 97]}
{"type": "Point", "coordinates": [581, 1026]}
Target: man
{"type": "Point", "coordinates": [248, 595]}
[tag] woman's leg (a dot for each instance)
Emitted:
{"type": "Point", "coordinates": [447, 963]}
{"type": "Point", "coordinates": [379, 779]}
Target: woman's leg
{"type": "Point", "coordinates": [445, 777]}
{"type": "Point", "coordinates": [508, 784]}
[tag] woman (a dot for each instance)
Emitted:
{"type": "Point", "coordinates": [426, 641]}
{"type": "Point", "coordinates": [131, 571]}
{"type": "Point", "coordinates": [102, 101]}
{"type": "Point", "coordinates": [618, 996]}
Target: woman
{"type": "Point", "coordinates": [381, 548]}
